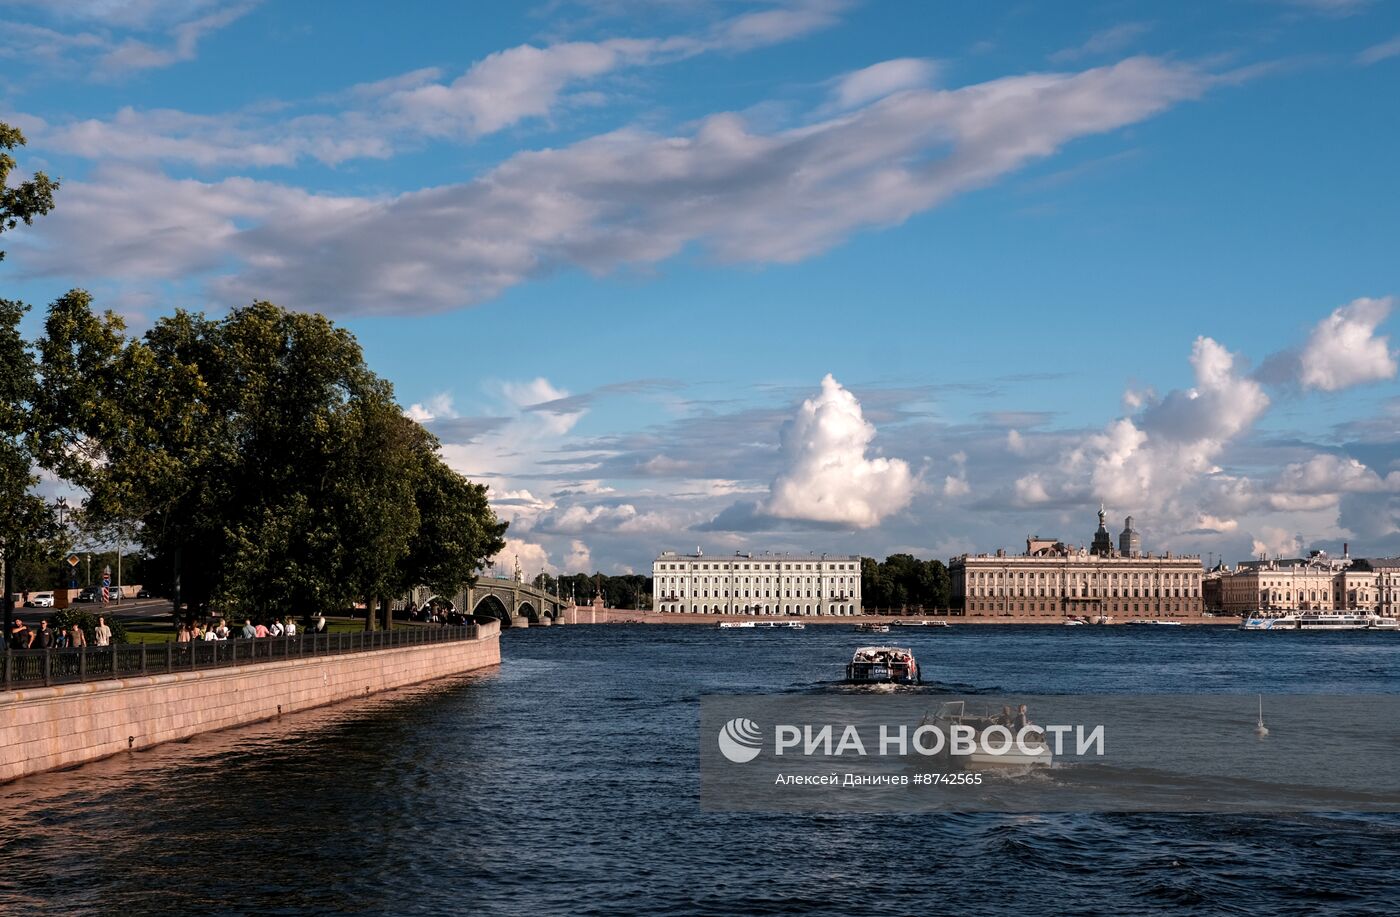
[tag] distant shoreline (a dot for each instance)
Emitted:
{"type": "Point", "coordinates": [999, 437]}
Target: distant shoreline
{"type": "Point", "coordinates": [624, 616]}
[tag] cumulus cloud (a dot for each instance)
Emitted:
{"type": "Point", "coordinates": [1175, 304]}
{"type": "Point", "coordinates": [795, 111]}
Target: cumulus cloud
{"type": "Point", "coordinates": [1344, 350]}
{"type": "Point", "coordinates": [955, 485]}
{"type": "Point", "coordinates": [830, 477]}
{"type": "Point", "coordinates": [579, 559]}
{"type": "Point", "coordinates": [1272, 541]}
{"type": "Point", "coordinates": [625, 198]}
{"type": "Point", "coordinates": [1158, 459]}
{"type": "Point", "coordinates": [533, 559]}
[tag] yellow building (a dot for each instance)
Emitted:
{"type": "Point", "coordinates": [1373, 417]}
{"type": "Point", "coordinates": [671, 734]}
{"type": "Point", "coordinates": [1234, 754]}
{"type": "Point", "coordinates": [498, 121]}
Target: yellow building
{"type": "Point", "coordinates": [1053, 579]}
{"type": "Point", "coordinates": [1314, 583]}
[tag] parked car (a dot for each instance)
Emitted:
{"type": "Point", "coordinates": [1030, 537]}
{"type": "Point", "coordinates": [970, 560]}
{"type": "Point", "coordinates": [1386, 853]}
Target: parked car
{"type": "Point", "coordinates": [143, 593]}
{"type": "Point", "coordinates": [87, 595]}
{"type": "Point", "coordinates": [40, 600]}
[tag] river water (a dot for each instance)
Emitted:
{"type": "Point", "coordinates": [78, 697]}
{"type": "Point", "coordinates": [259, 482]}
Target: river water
{"type": "Point", "coordinates": [566, 782]}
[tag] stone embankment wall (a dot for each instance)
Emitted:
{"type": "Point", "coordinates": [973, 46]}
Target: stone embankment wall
{"type": "Point", "coordinates": [46, 728]}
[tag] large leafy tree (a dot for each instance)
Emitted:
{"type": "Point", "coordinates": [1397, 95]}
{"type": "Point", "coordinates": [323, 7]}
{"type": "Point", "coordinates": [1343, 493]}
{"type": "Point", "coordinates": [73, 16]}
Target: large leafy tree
{"type": "Point", "coordinates": [27, 527]}
{"type": "Point", "coordinates": [265, 466]}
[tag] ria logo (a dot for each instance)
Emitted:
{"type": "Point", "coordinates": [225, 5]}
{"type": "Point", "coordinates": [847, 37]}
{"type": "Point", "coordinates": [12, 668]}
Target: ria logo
{"type": "Point", "coordinates": [740, 740]}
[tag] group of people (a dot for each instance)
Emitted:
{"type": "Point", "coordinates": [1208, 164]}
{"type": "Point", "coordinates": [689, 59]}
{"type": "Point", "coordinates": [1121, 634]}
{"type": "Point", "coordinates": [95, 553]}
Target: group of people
{"type": "Point", "coordinates": [43, 637]}
{"type": "Point", "coordinates": [276, 627]}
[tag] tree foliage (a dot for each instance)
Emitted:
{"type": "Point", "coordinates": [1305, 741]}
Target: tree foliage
{"type": "Point", "coordinates": [903, 581]}
{"type": "Point", "coordinates": [22, 201]}
{"type": "Point", "coordinates": [267, 469]}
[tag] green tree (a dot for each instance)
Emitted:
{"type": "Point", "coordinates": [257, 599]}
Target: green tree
{"type": "Point", "coordinates": [27, 527]}
{"type": "Point", "coordinates": [23, 201]}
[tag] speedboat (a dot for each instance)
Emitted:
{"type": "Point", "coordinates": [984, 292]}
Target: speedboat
{"type": "Point", "coordinates": [879, 665]}
{"type": "Point", "coordinates": [1315, 620]}
{"type": "Point", "coordinates": [872, 627]}
{"type": "Point", "coordinates": [992, 748]}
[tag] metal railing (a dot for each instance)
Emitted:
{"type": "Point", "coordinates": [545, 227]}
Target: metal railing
{"type": "Point", "coordinates": [30, 668]}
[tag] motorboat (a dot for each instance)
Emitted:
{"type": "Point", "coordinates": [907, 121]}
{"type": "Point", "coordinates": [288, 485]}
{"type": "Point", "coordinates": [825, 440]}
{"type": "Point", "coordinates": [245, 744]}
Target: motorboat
{"type": "Point", "coordinates": [992, 748]}
{"type": "Point", "coordinates": [1075, 622]}
{"type": "Point", "coordinates": [735, 625]}
{"type": "Point", "coordinates": [877, 665]}
{"type": "Point", "coordinates": [1319, 620]}
{"type": "Point", "coordinates": [872, 627]}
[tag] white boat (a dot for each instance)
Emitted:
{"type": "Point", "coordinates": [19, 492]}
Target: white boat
{"type": "Point", "coordinates": [1074, 623]}
{"type": "Point", "coordinates": [883, 665]}
{"type": "Point", "coordinates": [1167, 623]}
{"type": "Point", "coordinates": [872, 627]}
{"type": "Point", "coordinates": [1320, 620]}
{"type": "Point", "coordinates": [731, 625]}
{"type": "Point", "coordinates": [919, 623]}
{"type": "Point", "coordinates": [789, 625]}
{"type": "Point", "coordinates": [994, 751]}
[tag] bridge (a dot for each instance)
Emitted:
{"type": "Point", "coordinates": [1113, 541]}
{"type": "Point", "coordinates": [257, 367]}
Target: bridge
{"type": "Point", "coordinates": [508, 599]}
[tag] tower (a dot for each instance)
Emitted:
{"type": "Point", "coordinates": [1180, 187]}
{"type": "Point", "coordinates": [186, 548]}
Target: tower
{"type": "Point", "coordinates": [1103, 542]}
{"type": "Point", "coordinates": [1129, 543]}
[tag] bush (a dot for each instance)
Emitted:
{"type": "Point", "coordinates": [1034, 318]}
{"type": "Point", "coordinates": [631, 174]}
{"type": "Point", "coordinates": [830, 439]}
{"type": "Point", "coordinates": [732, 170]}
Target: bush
{"type": "Point", "coordinates": [88, 622]}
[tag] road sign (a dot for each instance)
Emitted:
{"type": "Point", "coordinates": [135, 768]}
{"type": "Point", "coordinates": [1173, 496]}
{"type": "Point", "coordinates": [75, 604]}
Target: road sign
{"type": "Point", "coordinates": [106, 585]}
{"type": "Point", "coordinates": [73, 560]}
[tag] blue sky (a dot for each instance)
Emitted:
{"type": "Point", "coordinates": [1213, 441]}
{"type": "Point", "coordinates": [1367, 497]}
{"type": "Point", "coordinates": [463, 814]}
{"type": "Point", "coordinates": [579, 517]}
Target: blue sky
{"type": "Point", "coordinates": [1049, 254]}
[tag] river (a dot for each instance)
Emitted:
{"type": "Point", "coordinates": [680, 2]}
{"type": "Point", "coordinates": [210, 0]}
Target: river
{"type": "Point", "coordinates": [565, 782]}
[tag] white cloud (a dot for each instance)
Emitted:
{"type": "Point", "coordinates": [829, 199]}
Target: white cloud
{"type": "Point", "coordinates": [879, 80]}
{"type": "Point", "coordinates": [626, 198]}
{"type": "Point", "coordinates": [1343, 350]}
{"type": "Point", "coordinates": [1379, 52]}
{"type": "Point", "coordinates": [437, 407]}
{"type": "Point", "coordinates": [1272, 541]}
{"type": "Point", "coordinates": [1159, 460]}
{"type": "Point", "coordinates": [579, 559]}
{"type": "Point", "coordinates": [1107, 41]}
{"type": "Point", "coordinates": [533, 559]}
{"type": "Point", "coordinates": [828, 476]}
{"type": "Point", "coordinates": [955, 485]}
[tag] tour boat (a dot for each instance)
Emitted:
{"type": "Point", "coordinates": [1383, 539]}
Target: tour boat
{"type": "Point", "coordinates": [1315, 620]}
{"type": "Point", "coordinates": [919, 623]}
{"type": "Point", "coordinates": [875, 665]}
{"type": "Point", "coordinates": [872, 627]}
{"type": "Point", "coordinates": [993, 750]}
{"type": "Point", "coordinates": [728, 625]}
{"type": "Point", "coordinates": [789, 625]}
{"type": "Point", "coordinates": [1167, 623]}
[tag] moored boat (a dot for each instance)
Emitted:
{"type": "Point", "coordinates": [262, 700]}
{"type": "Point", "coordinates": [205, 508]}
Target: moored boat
{"type": "Point", "coordinates": [1319, 620]}
{"type": "Point", "coordinates": [873, 665]}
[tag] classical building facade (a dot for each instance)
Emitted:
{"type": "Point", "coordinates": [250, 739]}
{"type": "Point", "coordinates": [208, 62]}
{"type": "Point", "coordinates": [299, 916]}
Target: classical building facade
{"type": "Point", "coordinates": [1055, 579]}
{"type": "Point", "coordinates": [765, 584]}
{"type": "Point", "coordinates": [1387, 570]}
{"type": "Point", "coordinates": [1317, 582]}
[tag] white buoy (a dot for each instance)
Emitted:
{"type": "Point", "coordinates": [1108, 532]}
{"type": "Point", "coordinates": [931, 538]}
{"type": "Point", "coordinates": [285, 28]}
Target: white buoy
{"type": "Point", "coordinates": [1261, 730]}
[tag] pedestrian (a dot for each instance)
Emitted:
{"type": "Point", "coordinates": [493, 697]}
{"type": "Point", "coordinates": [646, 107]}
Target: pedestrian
{"type": "Point", "coordinates": [102, 633]}
{"type": "Point", "coordinates": [43, 640]}
{"type": "Point", "coordinates": [222, 630]}
{"type": "Point", "coordinates": [76, 638]}
{"type": "Point", "coordinates": [259, 630]}
{"type": "Point", "coordinates": [249, 631]}
{"type": "Point", "coordinates": [210, 635]}
{"type": "Point", "coordinates": [291, 627]}
{"type": "Point", "coordinates": [183, 634]}
{"type": "Point", "coordinates": [20, 636]}
{"type": "Point", "coordinates": [320, 622]}
{"type": "Point", "coordinates": [275, 629]}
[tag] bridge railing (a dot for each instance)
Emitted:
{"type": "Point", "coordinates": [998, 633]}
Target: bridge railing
{"type": "Point", "coordinates": [31, 668]}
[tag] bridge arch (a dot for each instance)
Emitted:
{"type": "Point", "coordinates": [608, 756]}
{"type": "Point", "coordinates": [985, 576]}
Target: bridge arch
{"type": "Point", "coordinates": [527, 609]}
{"type": "Point", "coordinates": [490, 606]}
